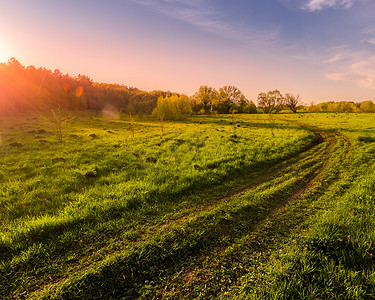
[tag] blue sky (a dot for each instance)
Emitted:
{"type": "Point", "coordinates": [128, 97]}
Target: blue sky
{"type": "Point", "coordinates": [321, 49]}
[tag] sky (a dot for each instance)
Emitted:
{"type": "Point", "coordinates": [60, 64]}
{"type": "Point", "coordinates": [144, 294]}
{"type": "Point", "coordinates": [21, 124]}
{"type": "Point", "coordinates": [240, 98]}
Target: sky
{"type": "Point", "coordinates": [323, 50]}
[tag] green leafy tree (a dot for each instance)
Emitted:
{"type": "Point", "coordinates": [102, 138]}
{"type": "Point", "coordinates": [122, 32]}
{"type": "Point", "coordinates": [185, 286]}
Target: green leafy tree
{"type": "Point", "coordinates": [206, 99]}
{"type": "Point", "coordinates": [341, 106]}
{"type": "Point", "coordinates": [174, 107]}
{"type": "Point", "coordinates": [367, 107]}
{"type": "Point", "coordinates": [230, 99]}
{"type": "Point", "coordinates": [345, 106]}
{"type": "Point", "coordinates": [247, 107]}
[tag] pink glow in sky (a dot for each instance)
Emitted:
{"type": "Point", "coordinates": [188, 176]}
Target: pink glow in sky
{"type": "Point", "coordinates": [322, 50]}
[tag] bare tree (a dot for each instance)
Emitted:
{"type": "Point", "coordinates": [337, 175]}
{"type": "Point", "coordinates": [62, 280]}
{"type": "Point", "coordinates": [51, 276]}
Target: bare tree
{"type": "Point", "coordinates": [292, 101]}
{"type": "Point", "coordinates": [271, 101]}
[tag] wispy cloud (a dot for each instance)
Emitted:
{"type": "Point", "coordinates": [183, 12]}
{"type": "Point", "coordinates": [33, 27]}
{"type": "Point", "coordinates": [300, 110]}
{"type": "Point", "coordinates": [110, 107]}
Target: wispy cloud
{"type": "Point", "coordinates": [206, 17]}
{"type": "Point", "coordinates": [361, 70]}
{"type": "Point", "coordinates": [316, 5]}
{"type": "Point", "coordinates": [356, 66]}
{"type": "Point", "coordinates": [334, 59]}
{"type": "Point", "coordinates": [369, 34]}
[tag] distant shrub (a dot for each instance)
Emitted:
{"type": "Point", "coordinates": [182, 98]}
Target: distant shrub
{"type": "Point", "coordinates": [344, 106]}
{"type": "Point", "coordinates": [367, 107]}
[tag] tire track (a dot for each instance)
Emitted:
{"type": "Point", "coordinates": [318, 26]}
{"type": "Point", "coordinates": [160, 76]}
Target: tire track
{"type": "Point", "coordinates": [324, 143]}
{"type": "Point", "coordinates": [248, 254]}
{"type": "Point", "coordinates": [199, 207]}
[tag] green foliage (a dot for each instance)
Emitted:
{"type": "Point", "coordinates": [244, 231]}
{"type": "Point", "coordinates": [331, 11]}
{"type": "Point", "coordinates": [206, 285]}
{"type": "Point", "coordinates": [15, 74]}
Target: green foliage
{"type": "Point", "coordinates": [42, 89]}
{"type": "Point", "coordinates": [229, 99]}
{"type": "Point", "coordinates": [367, 107]}
{"type": "Point", "coordinates": [232, 100]}
{"type": "Point", "coordinates": [344, 106]}
{"type": "Point", "coordinates": [247, 107]}
{"type": "Point", "coordinates": [205, 100]}
{"type": "Point", "coordinates": [174, 107]}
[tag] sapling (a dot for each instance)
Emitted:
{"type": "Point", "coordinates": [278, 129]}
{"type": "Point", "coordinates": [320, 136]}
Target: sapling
{"type": "Point", "coordinates": [59, 121]}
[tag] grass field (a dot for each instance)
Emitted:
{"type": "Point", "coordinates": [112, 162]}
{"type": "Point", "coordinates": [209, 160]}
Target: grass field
{"type": "Point", "coordinates": [240, 206]}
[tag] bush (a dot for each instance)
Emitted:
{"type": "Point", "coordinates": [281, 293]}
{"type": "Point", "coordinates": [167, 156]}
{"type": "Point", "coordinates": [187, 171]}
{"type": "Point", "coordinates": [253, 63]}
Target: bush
{"type": "Point", "coordinates": [174, 107]}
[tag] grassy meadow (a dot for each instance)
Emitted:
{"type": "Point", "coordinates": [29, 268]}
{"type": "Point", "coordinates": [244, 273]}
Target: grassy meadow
{"type": "Point", "coordinates": [227, 206]}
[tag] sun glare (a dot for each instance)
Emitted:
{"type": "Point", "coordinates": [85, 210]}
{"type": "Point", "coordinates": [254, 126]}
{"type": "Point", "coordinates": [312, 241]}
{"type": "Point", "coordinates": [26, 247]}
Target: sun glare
{"type": "Point", "coordinates": [4, 52]}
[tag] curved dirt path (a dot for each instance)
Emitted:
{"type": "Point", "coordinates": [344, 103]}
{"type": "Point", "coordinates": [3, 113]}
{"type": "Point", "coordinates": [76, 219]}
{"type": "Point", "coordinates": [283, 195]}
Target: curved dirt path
{"type": "Point", "coordinates": [220, 271]}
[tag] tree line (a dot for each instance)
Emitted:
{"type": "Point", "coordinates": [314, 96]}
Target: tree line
{"type": "Point", "coordinates": [30, 88]}
{"type": "Point", "coordinates": [343, 106]}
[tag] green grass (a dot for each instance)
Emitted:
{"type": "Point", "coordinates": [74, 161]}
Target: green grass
{"type": "Point", "coordinates": [334, 259]}
{"type": "Point", "coordinates": [213, 207]}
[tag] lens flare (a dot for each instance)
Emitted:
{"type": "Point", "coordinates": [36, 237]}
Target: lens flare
{"type": "Point", "coordinates": [79, 91]}
{"type": "Point", "coordinates": [66, 87]}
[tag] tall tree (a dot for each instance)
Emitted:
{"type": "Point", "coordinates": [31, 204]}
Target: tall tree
{"type": "Point", "coordinates": [367, 107]}
{"type": "Point", "coordinates": [292, 102]}
{"type": "Point", "coordinates": [230, 97]}
{"type": "Point", "coordinates": [206, 99]}
{"type": "Point", "coordinates": [271, 101]}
